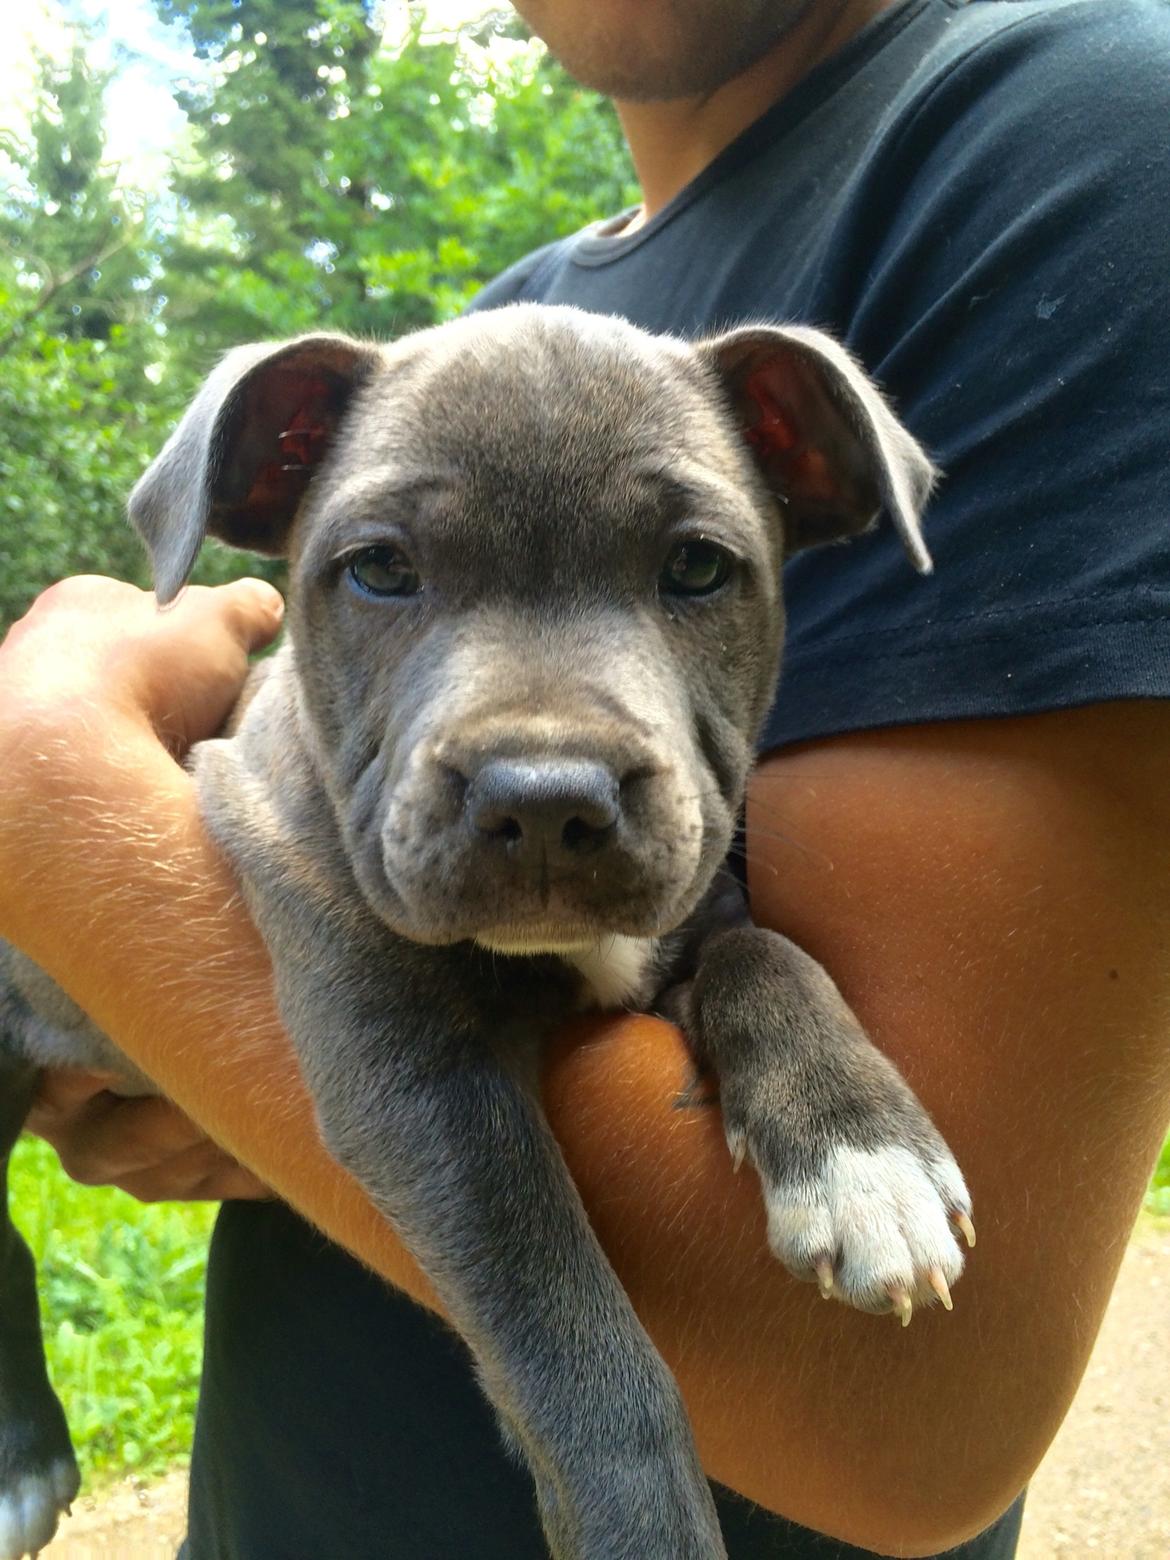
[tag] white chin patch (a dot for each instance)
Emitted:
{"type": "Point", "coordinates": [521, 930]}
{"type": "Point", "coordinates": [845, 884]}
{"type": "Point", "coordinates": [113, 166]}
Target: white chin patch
{"type": "Point", "coordinates": [616, 969]}
{"type": "Point", "coordinates": [31, 1506]}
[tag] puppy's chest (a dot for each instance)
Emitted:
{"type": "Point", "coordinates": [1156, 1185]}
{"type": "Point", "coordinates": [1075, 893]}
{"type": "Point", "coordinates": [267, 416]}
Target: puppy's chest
{"type": "Point", "coordinates": [617, 972]}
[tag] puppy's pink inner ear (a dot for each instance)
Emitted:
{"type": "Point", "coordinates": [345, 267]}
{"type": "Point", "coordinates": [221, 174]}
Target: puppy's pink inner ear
{"type": "Point", "coordinates": [302, 443]}
{"type": "Point", "coordinates": [798, 470]}
{"type": "Point", "coordinates": [303, 440]}
{"type": "Point", "coordinates": [300, 446]}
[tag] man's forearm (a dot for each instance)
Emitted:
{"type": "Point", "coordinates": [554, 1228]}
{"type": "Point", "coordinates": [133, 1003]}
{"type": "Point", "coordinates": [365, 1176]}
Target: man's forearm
{"type": "Point", "coordinates": [115, 889]}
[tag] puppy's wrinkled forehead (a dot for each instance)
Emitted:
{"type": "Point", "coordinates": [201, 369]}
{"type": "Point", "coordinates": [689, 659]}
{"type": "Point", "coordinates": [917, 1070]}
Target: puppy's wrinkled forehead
{"type": "Point", "coordinates": [536, 416]}
{"type": "Point", "coordinates": [576, 386]}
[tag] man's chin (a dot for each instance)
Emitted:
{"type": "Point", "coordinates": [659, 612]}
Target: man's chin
{"type": "Point", "coordinates": [688, 51]}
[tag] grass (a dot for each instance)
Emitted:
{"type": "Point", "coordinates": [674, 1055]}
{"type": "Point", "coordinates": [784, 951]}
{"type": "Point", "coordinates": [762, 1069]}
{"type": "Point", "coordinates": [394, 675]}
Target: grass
{"type": "Point", "coordinates": [121, 1290]}
{"type": "Point", "coordinates": [122, 1303]}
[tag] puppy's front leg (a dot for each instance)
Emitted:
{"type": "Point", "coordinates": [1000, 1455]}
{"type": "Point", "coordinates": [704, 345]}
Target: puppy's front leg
{"type": "Point", "coordinates": [454, 1150]}
{"type": "Point", "coordinates": [863, 1196]}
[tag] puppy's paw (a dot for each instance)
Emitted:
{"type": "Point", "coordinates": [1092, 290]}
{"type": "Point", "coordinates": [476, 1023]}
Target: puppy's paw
{"type": "Point", "coordinates": [32, 1499]}
{"type": "Point", "coordinates": [863, 1196]}
{"type": "Point", "coordinates": [866, 1200]}
{"type": "Point", "coordinates": [876, 1228]}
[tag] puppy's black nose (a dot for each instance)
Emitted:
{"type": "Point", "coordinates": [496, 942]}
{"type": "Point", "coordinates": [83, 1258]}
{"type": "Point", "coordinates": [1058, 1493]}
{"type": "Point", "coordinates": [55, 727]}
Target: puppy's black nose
{"type": "Point", "coordinates": [559, 806]}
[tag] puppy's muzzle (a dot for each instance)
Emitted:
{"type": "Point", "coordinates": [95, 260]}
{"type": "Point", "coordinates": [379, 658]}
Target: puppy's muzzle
{"type": "Point", "coordinates": [569, 839]}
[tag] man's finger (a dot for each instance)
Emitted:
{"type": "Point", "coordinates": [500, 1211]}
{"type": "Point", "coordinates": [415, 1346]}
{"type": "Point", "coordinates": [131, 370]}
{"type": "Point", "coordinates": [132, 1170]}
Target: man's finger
{"type": "Point", "coordinates": [201, 1174]}
{"type": "Point", "coordinates": [62, 1091]}
{"type": "Point", "coordinates": [254, 611]}
{"type": "Point", "coordinates": [110, 1138]}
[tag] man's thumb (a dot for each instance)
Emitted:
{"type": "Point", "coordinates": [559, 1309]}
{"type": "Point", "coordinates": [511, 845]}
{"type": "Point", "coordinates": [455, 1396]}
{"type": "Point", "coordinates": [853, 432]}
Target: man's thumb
{"type": "Point", "coordinates": [261, 609]}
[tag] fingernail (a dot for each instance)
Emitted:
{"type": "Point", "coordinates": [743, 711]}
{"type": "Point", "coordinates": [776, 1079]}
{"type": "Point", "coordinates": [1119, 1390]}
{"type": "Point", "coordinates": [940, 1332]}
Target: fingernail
{"type": "Point", "coordinates": [267, 595]}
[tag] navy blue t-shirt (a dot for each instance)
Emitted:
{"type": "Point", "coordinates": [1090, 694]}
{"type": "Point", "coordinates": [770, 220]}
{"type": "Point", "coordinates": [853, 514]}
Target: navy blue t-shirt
{"type": "Point", "coordinates": [976, 198]}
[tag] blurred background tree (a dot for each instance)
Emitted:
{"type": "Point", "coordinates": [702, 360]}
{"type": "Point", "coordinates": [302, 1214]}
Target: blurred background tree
{"type": "Point", "coordinates": [330, 176]}
{"type": "Point", "coordinates": [79, 347]}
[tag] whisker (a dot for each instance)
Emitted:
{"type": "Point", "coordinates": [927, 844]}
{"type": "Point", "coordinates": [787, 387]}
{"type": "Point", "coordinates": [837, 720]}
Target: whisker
{"type": "Point", "coordinates": [761, 832]}
{"type": "Point", "coordinates": [766, 866]}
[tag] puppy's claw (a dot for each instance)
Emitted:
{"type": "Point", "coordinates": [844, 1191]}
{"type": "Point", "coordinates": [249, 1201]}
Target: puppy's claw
{"type": "Point", "coordinates": [824, 1272]}
{"type": "Point", "coordinates": [737, 1144]}
{"type": "Point", "coordinates": [902, 1305]}
{"type": "Point", "coordinates": [965, 1225]}
{"type": "Point", "coordinates": [938, 1283]}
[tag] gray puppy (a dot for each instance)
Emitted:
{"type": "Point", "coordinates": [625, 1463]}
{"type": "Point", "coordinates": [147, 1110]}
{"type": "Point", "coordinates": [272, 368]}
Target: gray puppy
{"type": "Point", "coordinates": [489, 781]}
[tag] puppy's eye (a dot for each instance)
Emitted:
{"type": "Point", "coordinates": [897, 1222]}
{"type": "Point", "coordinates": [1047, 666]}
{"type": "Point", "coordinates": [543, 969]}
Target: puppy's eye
{"type": "Point", "coordinates": [695, 568]}
{"type": "Point", "coordinates": [383, 571]}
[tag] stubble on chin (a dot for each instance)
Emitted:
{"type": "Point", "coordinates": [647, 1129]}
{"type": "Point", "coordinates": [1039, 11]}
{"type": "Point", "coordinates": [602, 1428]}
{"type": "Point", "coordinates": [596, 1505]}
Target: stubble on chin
{"type": "Point", "coordinates": [645, 51]}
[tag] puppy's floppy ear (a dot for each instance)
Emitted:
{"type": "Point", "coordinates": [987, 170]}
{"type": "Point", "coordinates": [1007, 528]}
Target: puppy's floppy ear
{"type": "Point", "coordinates": [241, 458]}
{"type": "Point", "coordinates": [825, 439]}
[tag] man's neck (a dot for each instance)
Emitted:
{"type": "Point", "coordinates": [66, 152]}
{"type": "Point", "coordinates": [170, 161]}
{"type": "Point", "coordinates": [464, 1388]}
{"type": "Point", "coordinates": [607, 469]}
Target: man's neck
{"type": "Point", "coordinates": [672, 142]}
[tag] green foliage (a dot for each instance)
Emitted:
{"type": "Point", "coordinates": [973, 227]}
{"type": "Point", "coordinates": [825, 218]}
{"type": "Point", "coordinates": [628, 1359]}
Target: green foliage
{"type": "Point", "coordinates": [372, 191]}
{"type": "Point", "coordinates": [327, 182]}
{"type": "Point", "coordinates": [122, 1303]}
{"type": "Point", "coordinates": [69, 232]}
{"type": "Point", "coordinates": [481, 161]}
{"type": "Point", "coordinates": [1158, 1196]}
{"type": "Point", "coordinates": [63, 473]}
{"type": "Point", "coordinates": [80, 353]}
{"type": "Point", "coordinates": [288, 71]}
{"type": "Point", "coordinates": [81, 421]}
{"type": "Point", "coordinates": [76, 338]}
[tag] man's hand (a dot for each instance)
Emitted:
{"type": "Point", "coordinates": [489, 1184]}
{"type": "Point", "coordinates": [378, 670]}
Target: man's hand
{"type": "Point", "coordinates": [95, 647]}
{"type": "Point", "coordinates": [88, 650]}
{"type": "Point", "coordinates": [146, 1146]}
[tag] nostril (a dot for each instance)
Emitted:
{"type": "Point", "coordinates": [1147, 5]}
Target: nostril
{"type": "Point", "coordinates": [456, 782]}
{"type": "Point", "coordinates": [496, 822]}
{"type": "Point", "coordinates": [579, 835]}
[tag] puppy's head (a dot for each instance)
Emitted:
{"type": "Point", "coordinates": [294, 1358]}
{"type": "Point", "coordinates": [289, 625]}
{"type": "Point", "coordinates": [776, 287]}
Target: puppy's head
{"type": "Point", "coordinates": [535, 590]}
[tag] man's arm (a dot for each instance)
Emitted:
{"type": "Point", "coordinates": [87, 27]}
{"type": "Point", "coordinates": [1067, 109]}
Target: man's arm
{"type": "Point", "coordinates": [991, 897]}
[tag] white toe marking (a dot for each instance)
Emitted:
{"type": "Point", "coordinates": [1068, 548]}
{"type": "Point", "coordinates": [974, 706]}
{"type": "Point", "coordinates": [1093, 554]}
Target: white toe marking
{"type": "Point", "coordinates": [878, 1215]}
{"type": "Point", "coordinates": [800, 1224]}
{"type": "Point", "coordinates": [947, 1176]}
{"type": "Point", "coordinates": [29, 1509]}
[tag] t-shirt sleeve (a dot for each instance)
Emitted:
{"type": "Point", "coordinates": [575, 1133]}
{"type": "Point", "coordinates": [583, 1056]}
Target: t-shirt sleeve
{"type": "Point", "coordinates": [1009, 248]}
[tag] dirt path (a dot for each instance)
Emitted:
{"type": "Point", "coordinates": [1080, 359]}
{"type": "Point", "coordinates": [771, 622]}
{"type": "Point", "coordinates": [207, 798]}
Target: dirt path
{"type": "Point", "coordinates": [1104, 1488]}
{"type": "Point", "coordinates": [130, 1521]}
